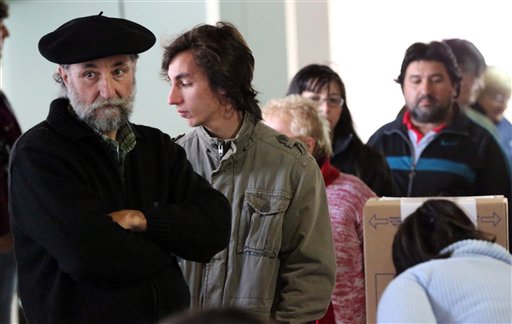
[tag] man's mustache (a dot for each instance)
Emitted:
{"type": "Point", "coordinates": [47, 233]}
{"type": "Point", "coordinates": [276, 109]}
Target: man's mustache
{"type": "Point", "coordinates": [429, 97]}
{"type": "Point", "coordinates": [116, 102]}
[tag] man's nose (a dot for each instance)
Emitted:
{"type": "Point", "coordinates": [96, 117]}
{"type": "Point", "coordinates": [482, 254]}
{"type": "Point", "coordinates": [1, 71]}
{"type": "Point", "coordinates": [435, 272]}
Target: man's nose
{"type": "Point", "coordinates": [106, 88]}
{"type": "Point", "coordinates": [4, 32]}
{"type": "Point", "coordinates": [174, 97]}
{"type": "Point", "coordinates": [426, 87]}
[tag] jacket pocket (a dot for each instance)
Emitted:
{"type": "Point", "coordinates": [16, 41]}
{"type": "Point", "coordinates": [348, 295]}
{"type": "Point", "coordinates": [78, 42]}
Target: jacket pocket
{"type": "Point", "coordinates": [260, 228]}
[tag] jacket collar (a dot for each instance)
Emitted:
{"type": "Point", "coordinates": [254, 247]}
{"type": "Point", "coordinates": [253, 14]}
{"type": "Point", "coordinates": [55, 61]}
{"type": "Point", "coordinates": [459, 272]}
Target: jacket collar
{"type": "Point", "coordinates": [64, 123]}
{"type": "Point", "coordinates": [458, 125]}
{"type": "Point", "coordinates": [459, 122]}
{"type": "Point", "coordinates": [241, 140]}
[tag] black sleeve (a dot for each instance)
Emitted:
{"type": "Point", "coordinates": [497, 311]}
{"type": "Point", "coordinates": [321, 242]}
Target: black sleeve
{"type": "Point", "coordinates": [54, 208]}
{"type": "Point", "coordinates": [198, 224]}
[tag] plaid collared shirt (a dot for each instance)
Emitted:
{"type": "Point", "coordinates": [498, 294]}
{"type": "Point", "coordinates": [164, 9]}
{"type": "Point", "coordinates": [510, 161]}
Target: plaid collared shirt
{"type": "Point", "coordinates": [124, 143]}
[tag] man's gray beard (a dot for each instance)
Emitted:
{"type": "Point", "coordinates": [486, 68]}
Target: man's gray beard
{"type": "Point", "coordinates": [434, 114]}
{"type": "Point", "coordinates": [103, 115]}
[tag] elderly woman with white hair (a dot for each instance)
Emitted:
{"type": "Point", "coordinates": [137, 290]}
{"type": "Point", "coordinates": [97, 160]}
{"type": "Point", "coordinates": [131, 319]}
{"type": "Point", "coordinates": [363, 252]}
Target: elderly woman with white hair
{"type": "Point", "coordinates": [298, 117]}
{"type": "Point", "coordinates": [493, 101]}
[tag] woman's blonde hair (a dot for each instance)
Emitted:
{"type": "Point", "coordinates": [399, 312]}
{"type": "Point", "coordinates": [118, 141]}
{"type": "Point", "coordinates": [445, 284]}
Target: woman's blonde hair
{"type": "Point", "coordinates": [305, 120]}
{"type": "Point", "coordinates": [497, 80]}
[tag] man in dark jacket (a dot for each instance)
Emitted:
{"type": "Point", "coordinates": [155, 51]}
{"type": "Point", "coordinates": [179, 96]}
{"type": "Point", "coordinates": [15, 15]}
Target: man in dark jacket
{"type": "Point", "coordinates": [9, 132]}
{"type": "Point", "coordinates": [434, 149]}
{"type": "Point", "coordinates": [102, 208]}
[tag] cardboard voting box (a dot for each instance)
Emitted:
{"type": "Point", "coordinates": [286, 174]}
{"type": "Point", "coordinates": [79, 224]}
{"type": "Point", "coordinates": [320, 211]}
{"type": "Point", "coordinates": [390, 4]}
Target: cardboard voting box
{"type": "Point", "coordinates": [382, 216]}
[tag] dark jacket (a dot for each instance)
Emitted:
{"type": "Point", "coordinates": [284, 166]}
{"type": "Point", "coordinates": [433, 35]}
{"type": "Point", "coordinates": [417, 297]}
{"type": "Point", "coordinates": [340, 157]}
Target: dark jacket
{"type": "Point", "coordinates": [352, 157]}
{"type": "Point", "coordinates": [463, 160]}
{"type": "Point", "coordinates": [74, 263]}
{"type": "Point", "coordinates": [9, 132]}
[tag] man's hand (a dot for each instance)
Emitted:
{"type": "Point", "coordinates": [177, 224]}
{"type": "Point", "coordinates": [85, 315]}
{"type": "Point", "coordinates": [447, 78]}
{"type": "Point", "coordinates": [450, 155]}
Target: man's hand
{"type": "Point", "coordinates": [5, 243]}
{"type": "Point", "coordinates": [130, 219]}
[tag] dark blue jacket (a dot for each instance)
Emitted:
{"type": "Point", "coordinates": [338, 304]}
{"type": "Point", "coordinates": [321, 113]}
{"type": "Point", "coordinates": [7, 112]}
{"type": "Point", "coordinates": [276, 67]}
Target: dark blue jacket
{"type": "Point", "coordinates": [75, 264]}
{"type": "Point", "coordinates": [463, 160]}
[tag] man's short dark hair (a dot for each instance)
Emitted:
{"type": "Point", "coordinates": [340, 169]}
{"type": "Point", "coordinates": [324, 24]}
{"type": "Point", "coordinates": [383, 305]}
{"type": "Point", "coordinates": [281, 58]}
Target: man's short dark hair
{"type": "Point", "coordinates": [469, 58]}
{"type": "Point", "coordinates": [226, 59]}
{"type": "Point", "coordinates": [433, 51]}
{"type": "Point", "coordinates": [4, 9]}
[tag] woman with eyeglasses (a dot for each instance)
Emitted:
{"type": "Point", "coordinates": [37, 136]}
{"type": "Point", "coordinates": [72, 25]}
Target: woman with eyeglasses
{"type": "Point", "coordinates": [492, 102]}
{"type": "Point", "coordinates": [350, 155]}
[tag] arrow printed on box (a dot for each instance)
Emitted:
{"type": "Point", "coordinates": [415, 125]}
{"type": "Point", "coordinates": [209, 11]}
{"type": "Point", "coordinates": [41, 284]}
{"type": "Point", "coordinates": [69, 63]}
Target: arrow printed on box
{"type": "Point", "coordinates": [374, 221]}
{"type": "Point", "coordinates": [494, 219]}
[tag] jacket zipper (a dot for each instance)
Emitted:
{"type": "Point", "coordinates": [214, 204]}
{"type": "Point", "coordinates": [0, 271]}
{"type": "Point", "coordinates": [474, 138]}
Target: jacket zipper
{"type": "Point", "coordinates": [220, 148]}
{"type": "Point", "coordinates": [412, 171]}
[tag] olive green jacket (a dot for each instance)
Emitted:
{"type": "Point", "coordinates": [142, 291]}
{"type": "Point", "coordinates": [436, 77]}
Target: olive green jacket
{"type": "Point", "coordinates": [280, 261]}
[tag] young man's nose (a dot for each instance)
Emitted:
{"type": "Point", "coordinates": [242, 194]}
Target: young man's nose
{"type": "Point", "coordinates": [4, 31]}
{"type": "Point", "coordinates": [174, 96]}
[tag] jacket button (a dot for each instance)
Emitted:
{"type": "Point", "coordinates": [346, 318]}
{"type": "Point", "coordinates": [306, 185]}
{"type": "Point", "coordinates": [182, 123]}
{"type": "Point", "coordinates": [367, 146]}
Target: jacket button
{"type": "Point", "coordinates": [282, 138]}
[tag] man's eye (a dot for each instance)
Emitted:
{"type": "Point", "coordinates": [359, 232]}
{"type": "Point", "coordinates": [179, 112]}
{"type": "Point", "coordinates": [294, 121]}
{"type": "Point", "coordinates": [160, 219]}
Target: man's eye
{"type": "Point", "coordinates": [89, 75]}
{"type": "Point", "coordinates": [119, 72]}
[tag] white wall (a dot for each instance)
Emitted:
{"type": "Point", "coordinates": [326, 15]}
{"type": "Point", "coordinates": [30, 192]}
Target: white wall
{"type": "Point", "coordinates": [263, 26]}
{"type": "Point", "coordinates": [364, 40]}
{"type": "Point", "coordinates": [369, 39]}
{"type": "Point", "coordinates": [27, 76]}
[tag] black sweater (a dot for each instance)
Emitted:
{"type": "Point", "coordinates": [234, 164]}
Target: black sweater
{"type": "Point", "coordinates": [74, 263]}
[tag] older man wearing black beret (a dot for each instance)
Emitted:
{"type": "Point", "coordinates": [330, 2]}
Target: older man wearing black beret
{"type": "Point", "coordinates": [102, 208]}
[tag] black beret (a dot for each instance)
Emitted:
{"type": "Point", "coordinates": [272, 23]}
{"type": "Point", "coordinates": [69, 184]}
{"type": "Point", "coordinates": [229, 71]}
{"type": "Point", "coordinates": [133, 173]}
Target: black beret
{"type": "Point", "coordinates": [92, 37]}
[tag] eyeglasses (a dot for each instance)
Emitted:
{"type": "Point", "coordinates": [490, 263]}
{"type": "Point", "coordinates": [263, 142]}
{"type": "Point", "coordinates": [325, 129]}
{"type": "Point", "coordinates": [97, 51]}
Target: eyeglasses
{"type": "Point", "coordinates": [498, 97]}
{"type": "Point", "coordinates": [331, 101]}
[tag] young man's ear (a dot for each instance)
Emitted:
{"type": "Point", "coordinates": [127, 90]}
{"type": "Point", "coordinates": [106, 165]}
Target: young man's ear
{"type": "Point", "coordinates": [221, 94]}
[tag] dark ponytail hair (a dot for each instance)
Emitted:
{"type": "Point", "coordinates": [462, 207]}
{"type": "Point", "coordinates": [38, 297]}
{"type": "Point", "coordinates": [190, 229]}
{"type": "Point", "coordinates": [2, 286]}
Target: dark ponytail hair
{"type": "Point", "coordinates": [432, 227]}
